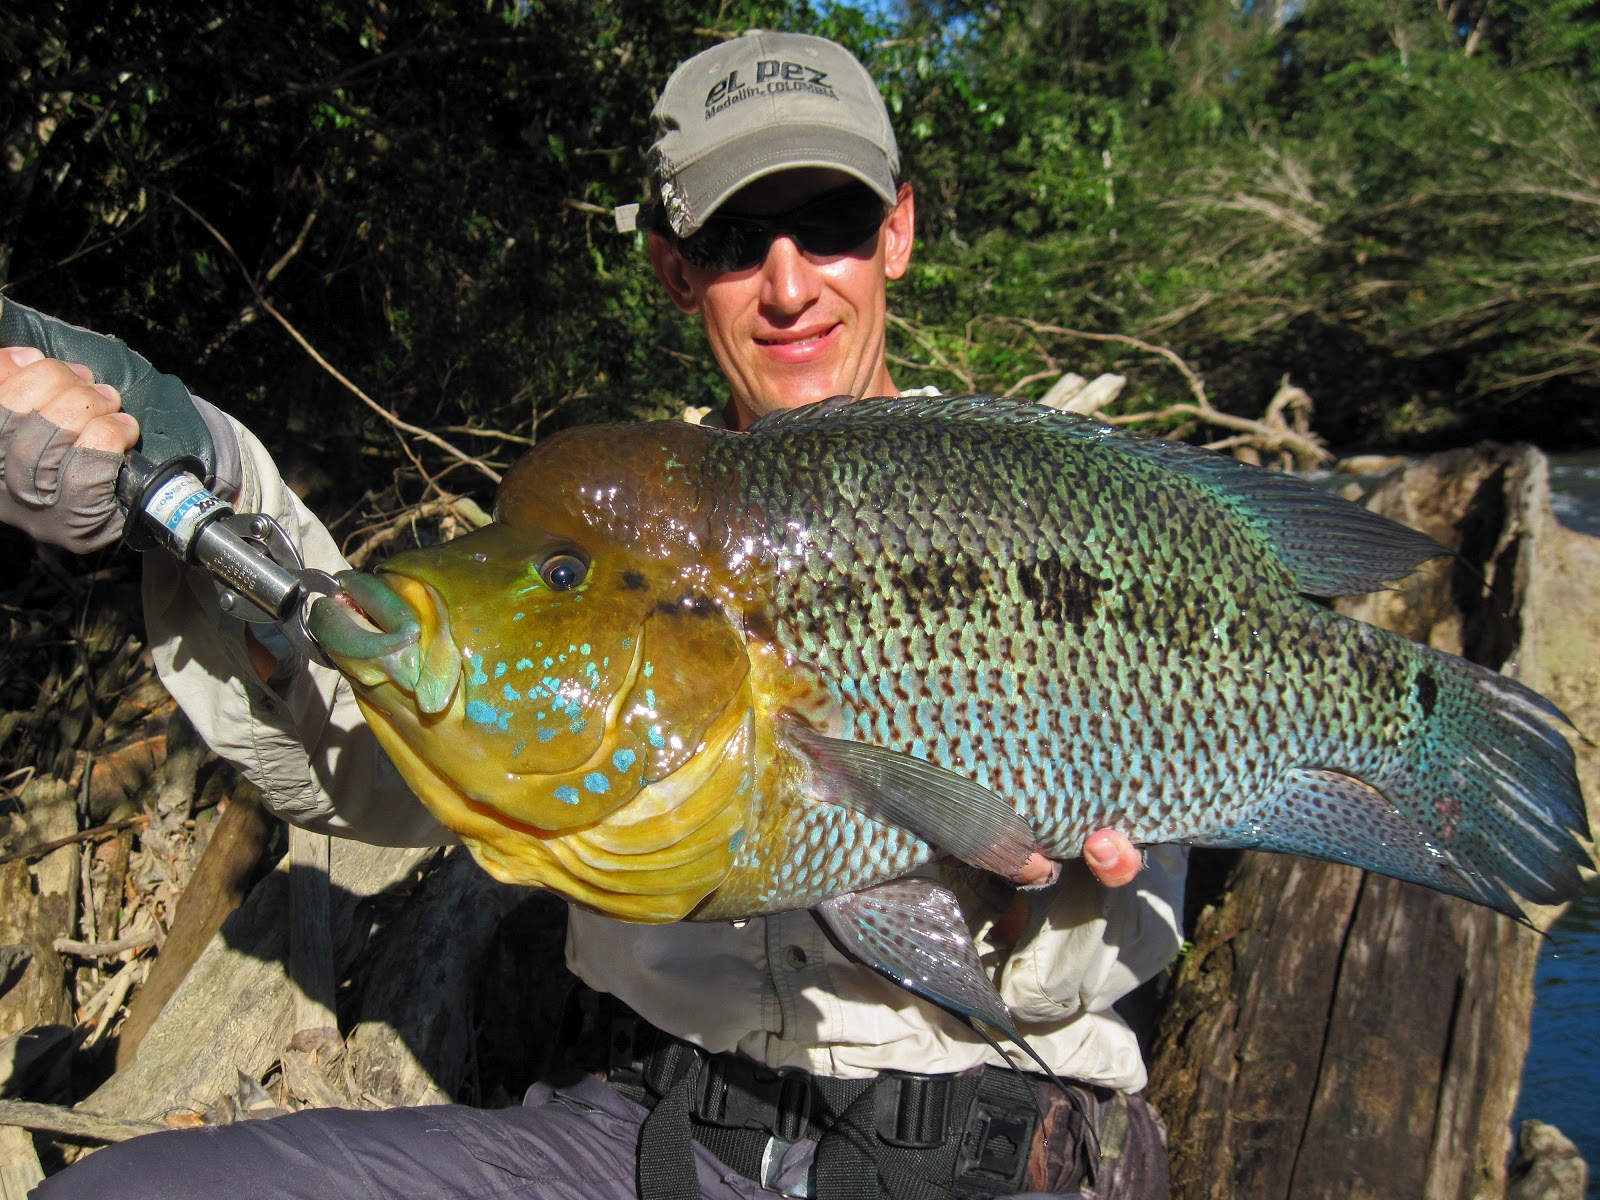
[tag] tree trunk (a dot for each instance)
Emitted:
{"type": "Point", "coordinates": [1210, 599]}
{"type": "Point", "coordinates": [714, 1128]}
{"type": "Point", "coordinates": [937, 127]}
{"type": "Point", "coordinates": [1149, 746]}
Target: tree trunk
{"type": "Point", "coordinates": [1334, 1033]}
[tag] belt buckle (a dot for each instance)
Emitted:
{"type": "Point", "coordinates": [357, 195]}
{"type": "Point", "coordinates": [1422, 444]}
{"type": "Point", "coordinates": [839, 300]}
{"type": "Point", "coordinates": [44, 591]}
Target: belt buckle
{"type": "Point", "coordinates": [913, 1111]}
{"type": "Point", "coordinates": [994, 1150]}
{"type": "Point", "coordinates": [737, 1094]}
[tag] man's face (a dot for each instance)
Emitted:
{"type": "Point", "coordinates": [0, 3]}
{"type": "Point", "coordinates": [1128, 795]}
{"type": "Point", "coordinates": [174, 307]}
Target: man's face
{"type": "Point", "coordinates": [796, 327]}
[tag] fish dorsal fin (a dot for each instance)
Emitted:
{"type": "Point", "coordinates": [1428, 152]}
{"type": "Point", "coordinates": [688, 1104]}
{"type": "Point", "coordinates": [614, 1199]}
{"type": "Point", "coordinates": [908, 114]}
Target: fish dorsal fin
{"type": "Point", "coordinates": [947, 810]}
{"type": "Point", "coordinates": [912, 931]}
{"type": "Point", "coordinates": [1331, 546]}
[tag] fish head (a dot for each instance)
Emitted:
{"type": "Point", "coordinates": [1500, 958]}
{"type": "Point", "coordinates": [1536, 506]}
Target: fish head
{"type": "Point", "coordinates": [567, 689]}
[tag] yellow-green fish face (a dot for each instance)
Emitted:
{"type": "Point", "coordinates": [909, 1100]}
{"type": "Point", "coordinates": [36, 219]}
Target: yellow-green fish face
{"type": "Point", "coordinates": [549, 682]}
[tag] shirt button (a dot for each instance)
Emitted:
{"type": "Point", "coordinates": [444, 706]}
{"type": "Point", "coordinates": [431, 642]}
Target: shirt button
{"type": "Point", "coordinates": [795, 957]}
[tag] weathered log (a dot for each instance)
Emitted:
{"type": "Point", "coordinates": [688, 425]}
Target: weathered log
{"type": "Point", "coordinates": [311, 931]}
{"type": "Point", "coordinates": [415, 1036]}
{"type": "Point", "coordinates": [234, 1010]}
{"type": "Point", "coordinates": [1338, 1034]}
{"type": "Point", "coordinates": [217, 887]}
{"type": "Point", "coordinates": [38, 903]}
{"type": "Point", "coordinates": [75, 1123]}
{"type": "Point", "coordinates": [19, 1164]}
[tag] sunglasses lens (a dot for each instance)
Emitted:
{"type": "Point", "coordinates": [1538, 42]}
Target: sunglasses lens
{"type": "Point", "coordinates": [831, 224]}
{"type": "Point", "coordinates": [727, 244]}
{"type": "Point", "coordinates": [838, 222]}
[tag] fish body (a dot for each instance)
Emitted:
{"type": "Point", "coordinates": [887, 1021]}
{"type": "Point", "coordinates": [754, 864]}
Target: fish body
{"type": "Point", "coordinates": [696, 673]}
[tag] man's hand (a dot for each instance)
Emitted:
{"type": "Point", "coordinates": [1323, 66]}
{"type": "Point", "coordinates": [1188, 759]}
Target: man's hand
{"type": "Point", "coordinates": [1112, 858]}
{"type": "Point", "coordinates": [62, 438]}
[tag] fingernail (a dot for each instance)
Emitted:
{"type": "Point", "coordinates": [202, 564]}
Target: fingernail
{"type": "Point", "coordinates": [21, 356]}
{"type": "Point", "coordinates": [109, 392]}
{"type": "Point", "coordinates": [81, 371]}
{"type": "Point", "coordinates": [1100, 855]}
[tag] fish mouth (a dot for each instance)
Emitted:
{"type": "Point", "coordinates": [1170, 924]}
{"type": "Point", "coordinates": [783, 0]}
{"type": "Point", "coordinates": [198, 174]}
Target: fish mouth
{"type": "Point", "coordinates": [390, 629]}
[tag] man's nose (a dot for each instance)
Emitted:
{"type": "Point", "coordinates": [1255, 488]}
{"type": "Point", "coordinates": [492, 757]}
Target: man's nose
{"type": "Point", "coordinates": [790, 280]}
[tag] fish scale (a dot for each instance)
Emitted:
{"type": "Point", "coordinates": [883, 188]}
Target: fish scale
{"type": "Point", "coordinates": [1037, 614]}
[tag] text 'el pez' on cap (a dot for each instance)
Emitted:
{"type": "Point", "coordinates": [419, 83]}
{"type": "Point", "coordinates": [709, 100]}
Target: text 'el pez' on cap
{"type": "Point", "coordinates": [760, 103]}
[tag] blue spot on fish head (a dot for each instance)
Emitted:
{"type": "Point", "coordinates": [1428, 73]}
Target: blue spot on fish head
{"type": "Point", "coordinates": [546, 734]}
{"type": "Point", "coordinates": [481, 713]}
{"type": "Point", "coordinates": [567, 795]}
{"type": "Point", "coordinates": [623, 760]}
{"type": "Point", "coordinates": [596, 783]}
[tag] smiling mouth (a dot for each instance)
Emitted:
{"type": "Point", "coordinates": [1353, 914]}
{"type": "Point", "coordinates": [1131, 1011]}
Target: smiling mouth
{"type": "Point", "coordinates": [790, 340]}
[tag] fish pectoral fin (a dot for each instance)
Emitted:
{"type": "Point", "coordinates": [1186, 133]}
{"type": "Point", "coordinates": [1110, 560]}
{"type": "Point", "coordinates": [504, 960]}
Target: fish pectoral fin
{"type": "Point", "coordinates": [942, 808]}
{"type": "Point", "coordinates": [912, 931]}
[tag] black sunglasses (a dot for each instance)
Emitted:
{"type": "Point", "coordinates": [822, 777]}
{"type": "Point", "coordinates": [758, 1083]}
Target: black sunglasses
{"type": "Point", "coordinates": [833, 223]}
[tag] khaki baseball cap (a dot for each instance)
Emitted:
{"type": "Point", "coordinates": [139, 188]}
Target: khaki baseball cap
{"type": "Point", "coordinates": [756, 104]}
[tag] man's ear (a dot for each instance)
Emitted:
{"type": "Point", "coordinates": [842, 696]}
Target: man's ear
{"type": "Point", "coordinates": [899, 231]}
{"type": "Point", "coordinates": [669, 268]}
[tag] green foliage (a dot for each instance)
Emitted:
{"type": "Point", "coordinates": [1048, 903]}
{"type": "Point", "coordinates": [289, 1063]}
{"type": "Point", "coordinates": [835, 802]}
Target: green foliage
{"type": "Point", "coordinates": [1395, 208]}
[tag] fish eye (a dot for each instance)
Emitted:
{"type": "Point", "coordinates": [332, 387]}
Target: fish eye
{"type": "Point", "coordinates": [563, 572]}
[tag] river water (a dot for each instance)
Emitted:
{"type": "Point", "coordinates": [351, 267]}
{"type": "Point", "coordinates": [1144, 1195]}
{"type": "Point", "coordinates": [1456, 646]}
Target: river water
{"type": "Point", "coordinates": [1559, 1082]}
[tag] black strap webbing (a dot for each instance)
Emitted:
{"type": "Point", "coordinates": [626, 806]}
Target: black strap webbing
{"type": "Point", "coordinates": [666, 1149]}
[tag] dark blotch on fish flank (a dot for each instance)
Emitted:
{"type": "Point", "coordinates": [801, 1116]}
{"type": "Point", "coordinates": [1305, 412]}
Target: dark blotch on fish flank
{"type": "Point", "coordinates": [1427, 693]}
{"type": "Point", "coordinates": [633, 581]}
{"type": "Point", "coordinates": [943, 586]}
{"type": "Point", "coordinates": [695, 604]}
{"type": "Point", "coordinates": [1060, 591]}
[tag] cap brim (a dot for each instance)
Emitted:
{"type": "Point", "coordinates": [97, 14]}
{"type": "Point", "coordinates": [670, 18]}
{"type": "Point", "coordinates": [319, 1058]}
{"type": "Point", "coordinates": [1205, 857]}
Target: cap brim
{"type": "Point", "coordinates": [704, 186]}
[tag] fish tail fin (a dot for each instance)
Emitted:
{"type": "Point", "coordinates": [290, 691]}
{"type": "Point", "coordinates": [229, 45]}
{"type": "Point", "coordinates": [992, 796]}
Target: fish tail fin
{"type": "Point", "coordinates": [1483, 803]}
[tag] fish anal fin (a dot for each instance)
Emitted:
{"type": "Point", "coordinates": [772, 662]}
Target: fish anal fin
{"type": "Point", "coordinates": [947, 810]}
{"type": "Point", "coordinates": [1337, 817]}
{"type": "Point", "coordinates": [912, 931]}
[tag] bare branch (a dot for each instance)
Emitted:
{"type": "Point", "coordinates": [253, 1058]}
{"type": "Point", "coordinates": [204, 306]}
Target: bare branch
{"type": "Point", "coordinates": [1190, 376]}
{"type": "Point", "coordinates": [392, 418]}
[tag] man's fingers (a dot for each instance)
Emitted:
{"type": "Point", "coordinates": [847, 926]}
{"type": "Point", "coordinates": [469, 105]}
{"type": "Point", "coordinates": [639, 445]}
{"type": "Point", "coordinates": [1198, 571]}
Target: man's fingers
{"type": "Point", "coordinates": [72, 408]}
{"type": "Point", "coordinates": [14, 358]}
{"type": "Point", "coordinates": [62, 393]}
{"type": "Point", "coordinates": [1114, 860]}
{"type": "Point", "coordinates": [116, 432]}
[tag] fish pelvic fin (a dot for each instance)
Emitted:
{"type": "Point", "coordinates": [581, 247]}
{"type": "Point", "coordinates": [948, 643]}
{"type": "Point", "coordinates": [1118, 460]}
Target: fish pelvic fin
{"type": "Point", "coordinates": [1484, 803]}
{"type": "Point", "coordinates": [912, 931]}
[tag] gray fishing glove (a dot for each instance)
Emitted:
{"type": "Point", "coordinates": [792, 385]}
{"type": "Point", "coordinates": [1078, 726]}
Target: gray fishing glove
{"type": "Point", "coordinates": [64, 494]}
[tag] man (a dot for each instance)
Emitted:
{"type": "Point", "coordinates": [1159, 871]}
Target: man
{"type": "Point", "coordinates": [775, 215]}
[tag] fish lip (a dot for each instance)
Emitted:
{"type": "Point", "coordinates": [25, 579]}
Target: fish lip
{"type": "Point", "coordinates": [376, 635]}
{"type": "Point", "coordinates": [438, 669]}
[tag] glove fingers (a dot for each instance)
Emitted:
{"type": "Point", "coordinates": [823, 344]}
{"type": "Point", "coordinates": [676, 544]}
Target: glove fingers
{"type": "Point", "coordinates": [33, 460]}
{"type": "Point", "coordinates": [55, 491]}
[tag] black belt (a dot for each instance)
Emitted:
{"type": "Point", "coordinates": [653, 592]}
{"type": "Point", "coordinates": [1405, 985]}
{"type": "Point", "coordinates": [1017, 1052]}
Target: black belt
{"type": "Point", "coordinates": [903, 1135]}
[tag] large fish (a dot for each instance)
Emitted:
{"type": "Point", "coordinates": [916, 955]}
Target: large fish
{"type": "Point", "coordinates": [688, 673]}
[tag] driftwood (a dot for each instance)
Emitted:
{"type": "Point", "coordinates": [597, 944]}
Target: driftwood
{"type": "Point", "coordinates": [38, 901]}
{"type": "Point", "coordinates": [74, 1123]}
{"type": "Point", "coordinates": [217, 887]}
{"type": "Point", "coordinates": [19, 1164]}
{"type": "Point", "coordinates": [1337, 1034]}
{"type": "Point", "coordinates": [415, 1036]}
{"type": "Point", "coordinates": [234, 1011]}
